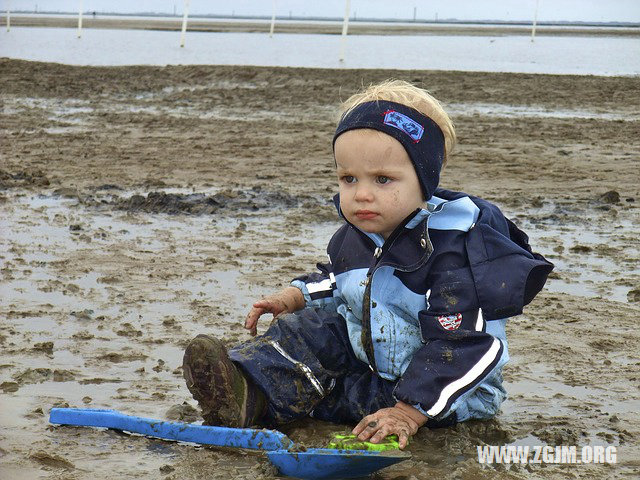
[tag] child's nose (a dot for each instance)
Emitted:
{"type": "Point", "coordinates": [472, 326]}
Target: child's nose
{"type": "Point", "coordinates": [363, 193]}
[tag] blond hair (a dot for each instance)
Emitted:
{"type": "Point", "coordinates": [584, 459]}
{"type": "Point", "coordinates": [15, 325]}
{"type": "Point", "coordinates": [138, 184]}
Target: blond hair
{"type": "Point", "coordinates": [407, 94]}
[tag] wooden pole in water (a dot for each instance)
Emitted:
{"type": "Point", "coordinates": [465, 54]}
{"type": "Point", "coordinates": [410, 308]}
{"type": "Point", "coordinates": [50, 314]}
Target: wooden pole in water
{"type": "Point", "coordinates": [273, 19]}
{"type": "Point", "coordinates": [345, 27]}
{"type": "Point", "coordinates": [8, 17]}
{"type": "Point", "coordinates": [80, 20]}
{"type": "Point", "coordinates": [185, 15]}
{"type": "Point", "coordinates": [535, 21]}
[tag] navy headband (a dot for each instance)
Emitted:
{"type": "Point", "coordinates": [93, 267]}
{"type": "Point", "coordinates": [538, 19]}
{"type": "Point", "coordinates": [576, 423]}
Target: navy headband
{"type": "Point", "coordinates": [418, 134]}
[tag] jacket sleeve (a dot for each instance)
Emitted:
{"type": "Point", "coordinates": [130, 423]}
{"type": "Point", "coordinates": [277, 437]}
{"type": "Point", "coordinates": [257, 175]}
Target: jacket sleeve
{"type": "Point", "coordinates": [506, 272]}
{"type": "Point", "coordinates": [457, 356]}
{"type": "Point", "coordinates": [319, 288]}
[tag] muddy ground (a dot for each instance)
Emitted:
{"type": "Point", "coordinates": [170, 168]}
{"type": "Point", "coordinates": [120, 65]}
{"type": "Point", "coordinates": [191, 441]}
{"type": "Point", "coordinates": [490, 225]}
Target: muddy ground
{"type": "Point", "coordinates": [141, 206]}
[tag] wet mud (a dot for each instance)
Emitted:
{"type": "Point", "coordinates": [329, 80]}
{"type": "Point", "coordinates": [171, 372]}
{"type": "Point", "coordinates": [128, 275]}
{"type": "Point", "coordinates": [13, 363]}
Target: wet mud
{"type": "Point", "coordinates": [200, 204]}
{"type": "Point", "coordinates": [141, 206]}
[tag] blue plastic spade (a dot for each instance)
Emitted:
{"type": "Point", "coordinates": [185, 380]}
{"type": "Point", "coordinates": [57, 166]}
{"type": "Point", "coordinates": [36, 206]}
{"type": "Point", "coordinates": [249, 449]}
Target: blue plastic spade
{"type": "Point", "coordinates": [313, 463]}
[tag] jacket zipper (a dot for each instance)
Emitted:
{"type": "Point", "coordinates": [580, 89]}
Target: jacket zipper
{"type": "Point", "coordinates": [365, 336]}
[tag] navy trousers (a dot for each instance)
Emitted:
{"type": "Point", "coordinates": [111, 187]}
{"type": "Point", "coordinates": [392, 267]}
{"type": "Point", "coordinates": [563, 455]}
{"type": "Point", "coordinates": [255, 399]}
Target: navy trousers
{"type": "Point", "coordinates": [304, 364]}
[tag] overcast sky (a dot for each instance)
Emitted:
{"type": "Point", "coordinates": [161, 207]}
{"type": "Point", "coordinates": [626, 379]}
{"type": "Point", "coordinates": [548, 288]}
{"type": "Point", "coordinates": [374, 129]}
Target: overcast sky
{"type": "Point", "coordinates": [571, 10]}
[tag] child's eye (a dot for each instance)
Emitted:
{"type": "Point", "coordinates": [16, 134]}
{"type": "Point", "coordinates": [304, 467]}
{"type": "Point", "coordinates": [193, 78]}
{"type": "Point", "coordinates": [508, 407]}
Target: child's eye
{"type": "Point", "coordinates": [382, 179]}
{"type": "Point", "coordinates": [349, 179]}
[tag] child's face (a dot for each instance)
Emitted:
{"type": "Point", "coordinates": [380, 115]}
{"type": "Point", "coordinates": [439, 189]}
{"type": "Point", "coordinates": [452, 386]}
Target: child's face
{"type": "Point", "coordinates": [378, 184]}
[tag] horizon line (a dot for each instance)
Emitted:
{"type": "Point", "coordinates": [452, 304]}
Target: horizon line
{"type": "Point", "coordinates": [340, 19]}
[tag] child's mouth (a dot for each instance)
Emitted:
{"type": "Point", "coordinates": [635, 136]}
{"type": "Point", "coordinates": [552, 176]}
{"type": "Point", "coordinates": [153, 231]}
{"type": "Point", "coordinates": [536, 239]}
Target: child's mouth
{"type": "Point", "coordinates": [366, 214]}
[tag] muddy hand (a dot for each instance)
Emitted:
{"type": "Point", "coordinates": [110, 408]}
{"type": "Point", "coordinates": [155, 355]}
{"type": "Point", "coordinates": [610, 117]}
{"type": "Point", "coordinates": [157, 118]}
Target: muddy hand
{"type": "Point", "coordinates": [287, 301]}
{"type": "Point", "coordinates": [260, 308]}
{"type": "Point", "coordinates": [403, 420]}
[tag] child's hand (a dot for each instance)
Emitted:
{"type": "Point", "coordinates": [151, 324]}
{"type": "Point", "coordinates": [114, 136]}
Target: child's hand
{"type": "Point", "coordinates": [403, 420]}
{"type": "Point", "coordinates": [288, 300]}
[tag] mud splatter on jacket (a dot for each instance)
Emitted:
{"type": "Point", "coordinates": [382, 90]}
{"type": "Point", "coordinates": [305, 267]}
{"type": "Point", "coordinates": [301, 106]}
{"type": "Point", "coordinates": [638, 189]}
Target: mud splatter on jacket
{"type": "Point", "coordinates": [428, 306]}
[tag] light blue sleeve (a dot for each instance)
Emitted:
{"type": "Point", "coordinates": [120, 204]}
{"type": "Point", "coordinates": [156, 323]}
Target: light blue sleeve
{"type": "Point", "coordinates": [319, 289]}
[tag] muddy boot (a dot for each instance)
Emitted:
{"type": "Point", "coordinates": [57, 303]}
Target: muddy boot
{"type": "Point", "coordinates": [225, 395]}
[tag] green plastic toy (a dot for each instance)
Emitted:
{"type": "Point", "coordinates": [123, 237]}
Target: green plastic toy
{"type": "Point", "coordinates": [351, 442]}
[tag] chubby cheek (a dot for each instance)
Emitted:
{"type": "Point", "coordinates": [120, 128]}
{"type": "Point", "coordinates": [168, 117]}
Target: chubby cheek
{"type": "Point", "coordinates": [344, 193]}
{"type": "Point", "coordinates": [394, 198]}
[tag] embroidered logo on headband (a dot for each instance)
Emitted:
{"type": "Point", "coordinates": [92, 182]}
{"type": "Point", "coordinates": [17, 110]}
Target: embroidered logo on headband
{"type": "Point", "coordinates": [404, 123]}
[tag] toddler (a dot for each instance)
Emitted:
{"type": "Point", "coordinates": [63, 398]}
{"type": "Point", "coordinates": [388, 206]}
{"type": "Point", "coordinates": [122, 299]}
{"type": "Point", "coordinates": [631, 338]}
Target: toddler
{"type": "Point", "coordinates": [404, 326]}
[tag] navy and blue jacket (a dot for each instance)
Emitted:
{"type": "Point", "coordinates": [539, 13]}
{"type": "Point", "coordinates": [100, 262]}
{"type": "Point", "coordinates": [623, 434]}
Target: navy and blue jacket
{"type": "Point", "coordinates": [427, 307]}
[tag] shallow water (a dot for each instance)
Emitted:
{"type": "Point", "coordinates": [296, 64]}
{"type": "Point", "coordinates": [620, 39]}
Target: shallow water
{"type": "Point", "coordinates": [587, 270]}
{"type": "Point", "coordinates": [590, 269]}
{"type": "Point", "coordinates": [532, 111]}
{"type": "Point", "coordinates": [582, 55]}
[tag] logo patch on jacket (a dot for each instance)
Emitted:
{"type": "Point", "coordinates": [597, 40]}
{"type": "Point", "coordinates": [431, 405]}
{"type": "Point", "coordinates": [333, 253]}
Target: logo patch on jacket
{"type": "Point", "coordinates": [450, 322]}
{"type": "Point", "coordinates": [404, 123]}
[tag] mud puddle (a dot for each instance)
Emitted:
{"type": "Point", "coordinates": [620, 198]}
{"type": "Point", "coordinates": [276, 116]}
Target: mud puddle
{"type": "Point", "coordinates": [499, 110]}
{"type": "Point", "coordinates": [590, 263]}
{"type": "Point", "coordinates": [593, 245]}
{"type": "Point", "coordinates": [50, 277]}
{"type": "Point", "coordinates": [76, 115]}
{"type": "Point", "coordinates": [86, 336]}
{"type": "Point", "coordinates": [201, 204]}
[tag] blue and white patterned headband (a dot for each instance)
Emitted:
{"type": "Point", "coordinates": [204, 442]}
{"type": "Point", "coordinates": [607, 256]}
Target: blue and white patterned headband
{"type": "Point", "coordinates": [418, 134]}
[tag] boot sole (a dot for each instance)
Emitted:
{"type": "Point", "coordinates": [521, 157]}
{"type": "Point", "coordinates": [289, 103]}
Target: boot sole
{"type": "Point", "coordinates": [209, 375]}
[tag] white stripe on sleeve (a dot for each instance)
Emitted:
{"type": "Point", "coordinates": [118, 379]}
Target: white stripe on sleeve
{"type": "Point", "coordinates": [324, 285]}
{"type": "Point", "coordinates": [479, 321]}
{"type": "Point", "coordinates": [468, 378]}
